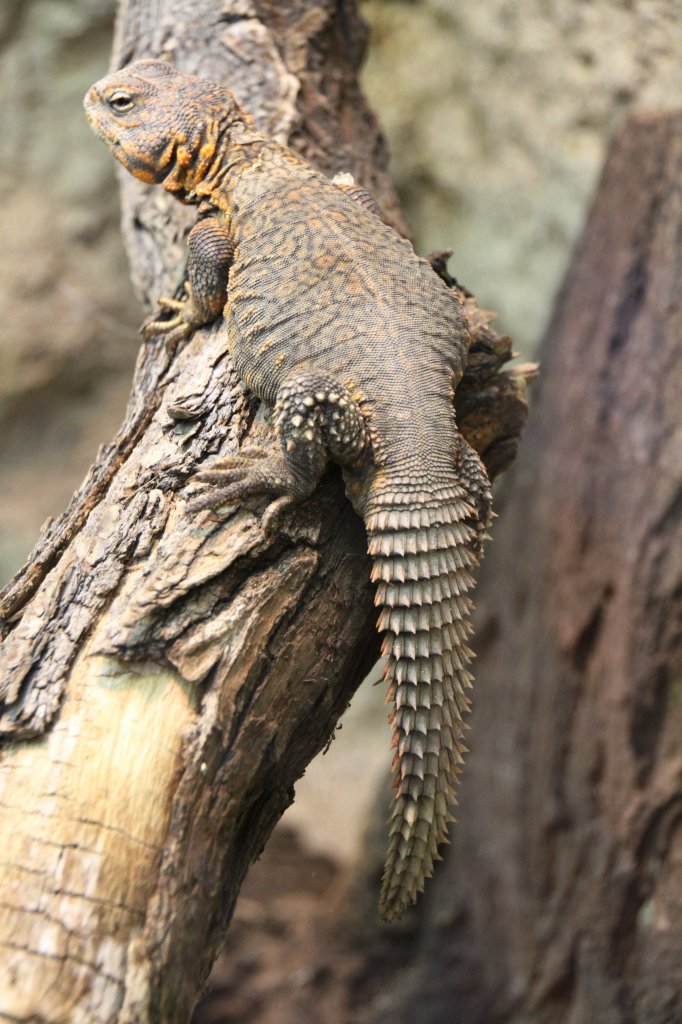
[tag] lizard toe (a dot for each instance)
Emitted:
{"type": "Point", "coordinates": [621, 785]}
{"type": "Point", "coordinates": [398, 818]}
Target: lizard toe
{"type": "Point", "coordinates": [224, 463]}
{"type": "Point", "coordinates": [167, 302]}
{"type": "Point", "coordinates": [152, 328]}
{"type": "Point", "coordinates": [215, 497]}
{"type": "Point", "coordinates": [272, 517]}
{"type": "Point", "coordinates": [222, 477]}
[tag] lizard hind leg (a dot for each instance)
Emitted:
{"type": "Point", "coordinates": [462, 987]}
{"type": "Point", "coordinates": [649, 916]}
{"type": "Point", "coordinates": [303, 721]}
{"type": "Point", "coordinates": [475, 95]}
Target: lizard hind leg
{"type": "Point", "coordinates": [315, 419]}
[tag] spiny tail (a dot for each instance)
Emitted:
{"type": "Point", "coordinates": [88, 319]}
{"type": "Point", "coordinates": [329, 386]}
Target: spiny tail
{"type": "Point", "coordinates": [423, 559]}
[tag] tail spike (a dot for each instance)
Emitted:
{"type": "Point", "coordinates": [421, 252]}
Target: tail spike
{"type": "Point", "coordinates": [423, 562]}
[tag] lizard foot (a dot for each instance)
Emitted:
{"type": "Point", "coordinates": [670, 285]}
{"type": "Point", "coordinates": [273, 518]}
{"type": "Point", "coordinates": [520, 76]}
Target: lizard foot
{"type": "Point", "coordinates": [314, 418]}
{"type": "Point", "coordinates": [176, 328]}
{"type": "Point", "coordinates": [252, 472]}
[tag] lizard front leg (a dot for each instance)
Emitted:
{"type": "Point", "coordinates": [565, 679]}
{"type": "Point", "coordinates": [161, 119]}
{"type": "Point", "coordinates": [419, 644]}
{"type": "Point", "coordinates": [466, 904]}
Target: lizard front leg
{"type": "Point", "coordinates": [315, 419]}
{"type": "Point", "coordinates": [208, 267]}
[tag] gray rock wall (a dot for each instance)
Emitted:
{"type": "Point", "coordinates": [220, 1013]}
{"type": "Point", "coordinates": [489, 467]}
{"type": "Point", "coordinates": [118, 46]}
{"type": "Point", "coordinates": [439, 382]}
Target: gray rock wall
{"type": "Point", "coordinates": [498, 114]}
{"type": "Point", "coordinates": [67, 314]}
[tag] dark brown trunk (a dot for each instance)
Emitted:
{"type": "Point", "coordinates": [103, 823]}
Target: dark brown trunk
{"type": "Point", "coordinates": [561, 899]}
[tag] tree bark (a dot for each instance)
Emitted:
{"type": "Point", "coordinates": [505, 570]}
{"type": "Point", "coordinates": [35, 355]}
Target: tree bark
{"type": "Point", "coordinates": [166, 678]}
{"type": "Point", "coordinates": [561, 899]}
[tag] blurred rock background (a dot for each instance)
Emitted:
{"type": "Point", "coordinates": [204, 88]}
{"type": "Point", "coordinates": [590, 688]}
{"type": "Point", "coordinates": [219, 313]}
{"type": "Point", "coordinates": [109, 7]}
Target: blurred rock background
{"type": "Point", "coordinates": [67, 314]}
{"type": "Point", "coordinates": [497, 116]}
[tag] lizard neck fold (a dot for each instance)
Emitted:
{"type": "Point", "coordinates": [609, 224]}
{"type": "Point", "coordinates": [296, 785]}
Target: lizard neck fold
{"type": "Point", "coordinates": [200, 166]}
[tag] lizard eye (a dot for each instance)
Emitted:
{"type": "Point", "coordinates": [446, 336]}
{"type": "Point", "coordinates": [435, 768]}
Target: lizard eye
{"type": "Point", "coordinates": [120, 102]}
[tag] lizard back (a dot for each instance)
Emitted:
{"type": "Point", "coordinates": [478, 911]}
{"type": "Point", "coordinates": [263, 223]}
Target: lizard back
{"type": "Point", "coordinates": [319, 281]}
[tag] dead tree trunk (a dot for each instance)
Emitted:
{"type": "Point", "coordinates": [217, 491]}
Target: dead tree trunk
{"type": "Point", "coordinates": [561, 900]}
{"type": "Point", "coordinates": [165, 678]}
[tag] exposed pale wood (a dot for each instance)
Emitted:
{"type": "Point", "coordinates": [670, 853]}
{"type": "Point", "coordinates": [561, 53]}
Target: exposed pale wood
{"type": "Point", "coordinates": [80, 840]}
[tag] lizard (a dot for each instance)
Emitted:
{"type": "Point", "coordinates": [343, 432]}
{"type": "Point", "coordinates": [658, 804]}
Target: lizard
{"type": "Point", "coordinates": [356, 346]}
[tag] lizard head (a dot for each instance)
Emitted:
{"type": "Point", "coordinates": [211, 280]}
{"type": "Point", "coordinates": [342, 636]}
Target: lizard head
{"type": "Point", "coordinates": [163, 126]}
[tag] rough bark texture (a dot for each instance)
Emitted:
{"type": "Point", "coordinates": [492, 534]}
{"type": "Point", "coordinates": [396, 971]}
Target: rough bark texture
{"type": "Point", "coordinates": [178, 673]}
{"type": "Point", "coordinates": [561, 899]}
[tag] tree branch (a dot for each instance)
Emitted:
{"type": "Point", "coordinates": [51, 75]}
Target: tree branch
{"type": "Point", "coordinates": [197, 666]}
